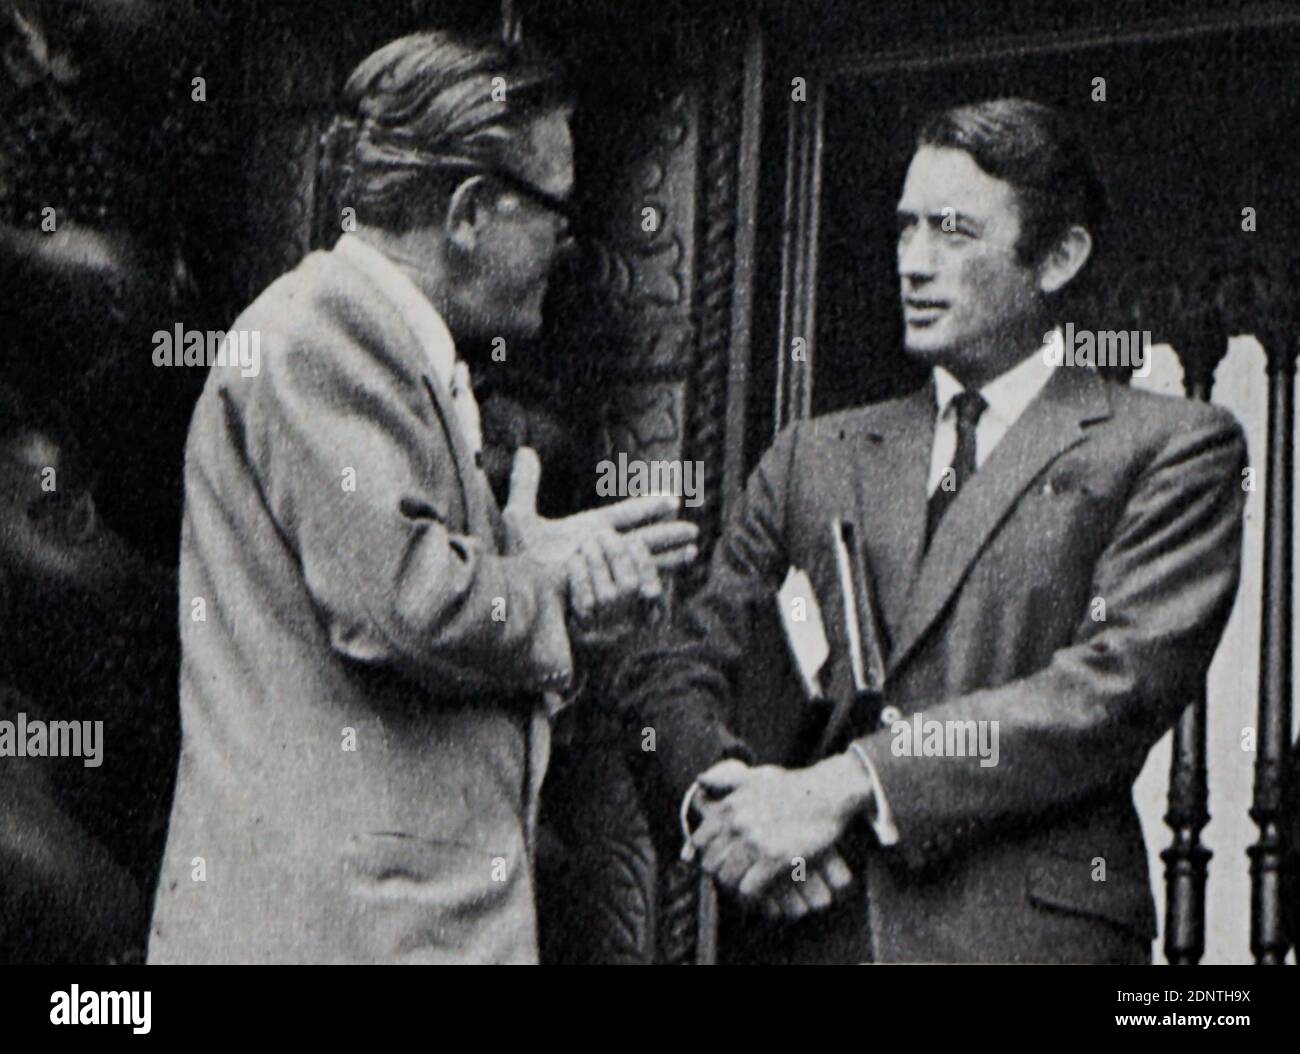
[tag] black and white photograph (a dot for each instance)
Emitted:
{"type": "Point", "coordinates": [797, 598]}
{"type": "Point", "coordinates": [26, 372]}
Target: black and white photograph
{"type": "Point", "coordinates": [703, 482]}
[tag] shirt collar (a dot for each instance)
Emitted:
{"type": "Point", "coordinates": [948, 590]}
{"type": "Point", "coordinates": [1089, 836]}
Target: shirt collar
{"type": "Point", "coordinates": [412, 305]}
{"type": "Point", "coordinates": [1007, 395]}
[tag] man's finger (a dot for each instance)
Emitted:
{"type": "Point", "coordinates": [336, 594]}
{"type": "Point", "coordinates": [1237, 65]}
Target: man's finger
{"type": "Point", "coordinates": [582, 595]}
{"type": "Point", "coordinates": [710, 828]}
{"type": "Point", "coordinates": [759, 877]}
{"type": "Point", "coordinates": [626, 579]}
{"type": "Point", "coordinates": [664, 537]}
{"type": "Point", "coordinates": [602, 581]}
{"type": "Point", "coordinates": [734, 864]}
{"type": "Point", "coordinates": [719, 851]}
{"type": "Point", "coordinates": [726, 775]}
{"type": "Point", "coordinates": [794, 905]}
{"type": "Point", "coordinates": [675, 559]}
{"type": "Point", "coordinates": [836, 872]}
{"type": "Point", "coordinates": [525, 477]}
{"type": "Point", "coordinates": [651, 588]}
{"type": "Point", "coordinates": [633, 512]}
{"type": "Point", "coordinates": [816, 892]}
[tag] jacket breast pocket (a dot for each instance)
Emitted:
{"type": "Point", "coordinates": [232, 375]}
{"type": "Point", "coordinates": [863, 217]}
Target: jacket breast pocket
{"type": "Point", "coordinates": [1059, 528]}
{"type": "Point", "coordinates": [1066, 884]}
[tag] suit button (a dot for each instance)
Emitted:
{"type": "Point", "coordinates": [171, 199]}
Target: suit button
{"type": "Point", "coordinates": [889, 715]}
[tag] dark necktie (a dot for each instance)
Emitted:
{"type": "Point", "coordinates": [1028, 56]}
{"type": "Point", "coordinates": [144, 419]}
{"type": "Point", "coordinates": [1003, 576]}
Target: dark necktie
{"type": "Point", "coordinates": [968, 406]}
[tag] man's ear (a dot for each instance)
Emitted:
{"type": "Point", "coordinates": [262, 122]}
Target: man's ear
{"type": "Point", "coordinates": [1065, 259]}
{"type": "Point", "coordinates": [465, 213]}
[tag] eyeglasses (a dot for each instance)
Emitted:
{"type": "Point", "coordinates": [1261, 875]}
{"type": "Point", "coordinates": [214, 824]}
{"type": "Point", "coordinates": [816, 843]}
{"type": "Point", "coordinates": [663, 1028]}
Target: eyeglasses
{"type": "Point", "coordinates": [509, 180]}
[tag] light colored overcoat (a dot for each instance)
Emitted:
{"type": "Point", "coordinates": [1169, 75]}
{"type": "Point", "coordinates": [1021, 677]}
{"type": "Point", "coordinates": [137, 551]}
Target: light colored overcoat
{"type": "Point", "coordinates": [363, 734]}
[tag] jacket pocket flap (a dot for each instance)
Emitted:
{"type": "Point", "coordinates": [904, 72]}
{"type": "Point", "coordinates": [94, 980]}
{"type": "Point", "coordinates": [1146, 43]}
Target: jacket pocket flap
{"type": "Point", "coordinates": [1066, 884]}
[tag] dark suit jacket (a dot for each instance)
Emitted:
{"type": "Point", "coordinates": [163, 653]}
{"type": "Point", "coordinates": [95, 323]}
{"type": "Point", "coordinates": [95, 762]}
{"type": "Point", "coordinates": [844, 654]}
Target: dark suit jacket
{"type": "Point", "coordinates": [371, 613]}
{"type": "Point", "coordinates": [1098, 491]}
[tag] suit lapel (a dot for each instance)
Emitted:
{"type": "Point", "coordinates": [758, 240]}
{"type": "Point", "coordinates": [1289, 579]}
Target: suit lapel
{"type": "Point", "coordinates": [480, 507]}
{"type": "Point", "coordinates": [1050, 425]}
{"type": "Point", "coordinates": [890, 464]}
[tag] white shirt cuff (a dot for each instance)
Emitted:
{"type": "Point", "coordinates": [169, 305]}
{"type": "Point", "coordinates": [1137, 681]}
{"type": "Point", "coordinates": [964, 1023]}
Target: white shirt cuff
{"type": "Point", "coordinates": [880, 815]}
{"type": "Point", "coordinates": [688, 847]}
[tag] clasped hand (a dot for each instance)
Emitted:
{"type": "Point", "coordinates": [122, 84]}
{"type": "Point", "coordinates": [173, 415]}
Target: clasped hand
{"type": "Point", "coordinates": [607, 560]}
{"type": "Point", "coordinates": [768, 834]}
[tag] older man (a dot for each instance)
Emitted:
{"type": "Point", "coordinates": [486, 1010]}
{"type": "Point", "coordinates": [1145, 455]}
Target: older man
{"type": "Point", "coordinates": [366, 639]}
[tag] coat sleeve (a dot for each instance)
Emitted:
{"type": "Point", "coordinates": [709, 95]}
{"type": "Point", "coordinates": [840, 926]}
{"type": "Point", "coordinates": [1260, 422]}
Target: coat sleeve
{"type": "Point", "coordinates": [1085, 722]}
{"type": "Point", "coordinates": [683, 683]}
{"type": "Point", "coordinates": [360, 481]}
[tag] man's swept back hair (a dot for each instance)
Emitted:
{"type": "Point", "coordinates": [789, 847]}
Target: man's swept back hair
{"type": "Point", "coordinates": [1040, 152]}
{"type": "Point", "coordinates": [424, 97]}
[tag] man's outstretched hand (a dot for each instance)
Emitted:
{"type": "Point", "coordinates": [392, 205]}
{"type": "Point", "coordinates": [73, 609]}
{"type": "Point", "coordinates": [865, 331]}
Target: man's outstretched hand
{"type": "Point", "coordinates": [608, 559]}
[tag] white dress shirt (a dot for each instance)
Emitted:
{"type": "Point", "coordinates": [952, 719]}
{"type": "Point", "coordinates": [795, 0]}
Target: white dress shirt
{"type": "Point", "coordinates": [1007, 397]}
{"type": "Point", "coordinates": [417, 312]}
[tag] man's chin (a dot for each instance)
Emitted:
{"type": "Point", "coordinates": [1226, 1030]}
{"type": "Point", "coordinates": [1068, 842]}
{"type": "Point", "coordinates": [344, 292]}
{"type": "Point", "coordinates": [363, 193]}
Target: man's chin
{"type": "Point", "coordinates": [924, 345]}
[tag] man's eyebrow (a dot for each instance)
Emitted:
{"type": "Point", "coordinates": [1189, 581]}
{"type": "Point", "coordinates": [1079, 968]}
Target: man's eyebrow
{"type": "Point", "coordinates": [965, 219]}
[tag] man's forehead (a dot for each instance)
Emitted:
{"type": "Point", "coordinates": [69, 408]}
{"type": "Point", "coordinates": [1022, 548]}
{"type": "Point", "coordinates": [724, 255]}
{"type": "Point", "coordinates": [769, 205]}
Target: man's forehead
{"type": "Point", "coordinates": [543, 152]}
{"type": "Point", "coordinates": [945, 177]}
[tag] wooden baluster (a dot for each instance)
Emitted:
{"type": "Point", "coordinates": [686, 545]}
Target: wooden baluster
{"type": "Point", "coordinates": [1186, 860]}
{"type": "Point", "coordinates": [1269, 940]}
{"type": "Point", "coordinates": [1173, 307]}
{"type": "Point", "coordinates": [1257, 298]}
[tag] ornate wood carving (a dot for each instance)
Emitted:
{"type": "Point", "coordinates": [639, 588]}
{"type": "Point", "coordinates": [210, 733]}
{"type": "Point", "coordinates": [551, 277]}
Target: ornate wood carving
{"type": "Point", "coordinates": [642, 278]}
{"type": "Point", "coordinates": [597, 903]}
{"type": "Point", "coordinates": [638, 322]}
{"type": "Point", "coordinates": [644, 419]}
{"type": "Point", "coordinates": [798, 320]}
{"type": "Point", "coordinates": [719, 153]}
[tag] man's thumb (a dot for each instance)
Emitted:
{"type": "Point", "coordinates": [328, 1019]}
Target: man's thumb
{"type": "Point", "coordinates": [525, 474]}
{"type": "Point", "coordinates": [726, 775]}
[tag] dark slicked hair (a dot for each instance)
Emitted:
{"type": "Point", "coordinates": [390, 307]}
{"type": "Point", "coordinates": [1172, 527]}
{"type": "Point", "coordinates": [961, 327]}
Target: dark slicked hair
{"type": "Point", "coordinates": [422, 112]}
{"type": "Point", "coordinates": [1040, 151]}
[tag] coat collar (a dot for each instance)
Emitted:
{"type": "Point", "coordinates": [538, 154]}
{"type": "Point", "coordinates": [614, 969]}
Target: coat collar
{"type": "Point", "coordinates": [1053, 423]}
{"type": "Point", "coordinates": [414, 308]}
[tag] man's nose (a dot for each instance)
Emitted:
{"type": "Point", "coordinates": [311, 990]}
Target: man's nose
{"type": "Point", "coordinates": [916, 257]}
